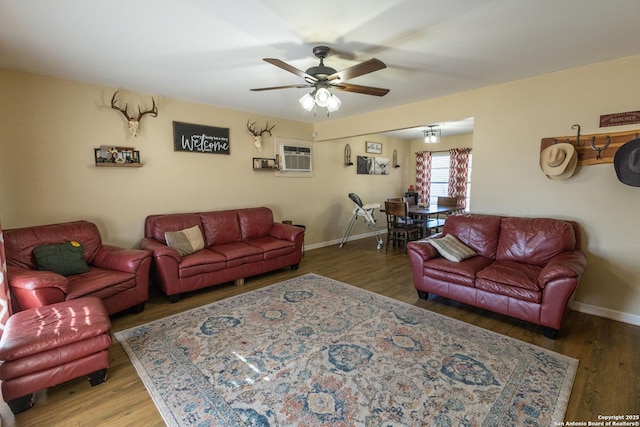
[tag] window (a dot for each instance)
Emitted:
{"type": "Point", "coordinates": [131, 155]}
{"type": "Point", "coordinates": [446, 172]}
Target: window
{"type": "Point", "coordinates": [439, 184]}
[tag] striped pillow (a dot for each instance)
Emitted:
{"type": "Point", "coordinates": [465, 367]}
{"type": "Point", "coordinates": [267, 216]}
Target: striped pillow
{"type": "Point", "coordinates": [451, 248]}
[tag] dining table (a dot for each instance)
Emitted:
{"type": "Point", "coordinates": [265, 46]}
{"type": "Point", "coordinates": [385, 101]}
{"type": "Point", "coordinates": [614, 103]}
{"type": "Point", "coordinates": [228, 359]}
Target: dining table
{"type": "Point", "coordinates": [432, 215]}
{"type": "Point", "coordinates": [433, 210]}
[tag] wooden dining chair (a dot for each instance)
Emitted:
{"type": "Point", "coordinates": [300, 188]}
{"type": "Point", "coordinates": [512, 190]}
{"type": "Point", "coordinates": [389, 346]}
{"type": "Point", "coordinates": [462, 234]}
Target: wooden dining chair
{"type": "Point", "coordinates": [401, 232]}
{"type": "Point", "coordinates": [436, 224]}
{"type": "Point", "coordinates": [447, 201]}
{"type": "Point", "coordinates": [415, 218]}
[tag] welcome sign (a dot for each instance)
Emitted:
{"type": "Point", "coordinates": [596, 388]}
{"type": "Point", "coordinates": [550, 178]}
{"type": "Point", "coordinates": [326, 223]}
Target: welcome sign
{"type": "Point", "coordinates": [200, 138]}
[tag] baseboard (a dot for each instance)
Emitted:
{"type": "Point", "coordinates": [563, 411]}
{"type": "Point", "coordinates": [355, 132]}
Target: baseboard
{"type": "Point", "coordinates": [632, 319]}
{"type": "Point", "coordinates": [349, 239]}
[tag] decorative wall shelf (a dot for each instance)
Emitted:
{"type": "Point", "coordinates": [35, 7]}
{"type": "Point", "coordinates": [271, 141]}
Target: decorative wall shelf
{"type": "Point", "coordinates": [116, 157]}
{"type": "Point", "coordinates": [593, 149]}
{"type": "Point", "coordinates": [266, 164]}
{"type": "Point", "coordinates": [118, 165]}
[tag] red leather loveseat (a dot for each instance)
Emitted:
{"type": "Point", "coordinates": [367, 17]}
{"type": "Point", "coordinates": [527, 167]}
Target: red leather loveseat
{"type": "Point", "coordinates": [118, 276]}
{"type": "Point", "coordinates": [527, 268]}
{"type": "Point", "coordinates": [222, 246]}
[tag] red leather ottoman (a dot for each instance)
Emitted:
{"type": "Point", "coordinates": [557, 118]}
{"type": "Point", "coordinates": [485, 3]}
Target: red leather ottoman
{"type": "Point", "coordinates": [46, 346]}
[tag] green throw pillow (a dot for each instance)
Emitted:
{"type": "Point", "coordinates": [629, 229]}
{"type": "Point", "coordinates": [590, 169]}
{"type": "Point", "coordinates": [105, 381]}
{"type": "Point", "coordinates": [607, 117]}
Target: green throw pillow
{"type": "Point", "coordinates": [65, 259]}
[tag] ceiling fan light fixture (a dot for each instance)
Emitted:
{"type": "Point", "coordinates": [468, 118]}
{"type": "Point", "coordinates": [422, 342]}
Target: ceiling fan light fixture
{"type": "Point", "coordinates": [322, 77]}
{"type": "Point", "coordinates": [307, 102]}
{"type": "Point", "coordinates": [333, 104]}
{"type": "Point", "coordinates": [432, 135]}
{"type": "Point", "coordinates": [322, 97]}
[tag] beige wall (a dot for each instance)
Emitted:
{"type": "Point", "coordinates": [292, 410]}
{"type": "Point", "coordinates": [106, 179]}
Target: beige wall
{"type": "Point", "coordinates": [510, 121]}
{"type": "Point", "coordinates": [49, 129]}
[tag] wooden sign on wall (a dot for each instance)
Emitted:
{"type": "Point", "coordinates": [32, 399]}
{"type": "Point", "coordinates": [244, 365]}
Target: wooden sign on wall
{"type": "Point", "coordinates": [200, 138]}
{"type": "Point", "coordinates": [619, 119]}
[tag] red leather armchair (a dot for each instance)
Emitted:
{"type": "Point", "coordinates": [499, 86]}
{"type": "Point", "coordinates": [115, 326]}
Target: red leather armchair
{"type": "Point", "coordinates": [46, 346]}
{"type": "Point", "coordinates": [118, 276]}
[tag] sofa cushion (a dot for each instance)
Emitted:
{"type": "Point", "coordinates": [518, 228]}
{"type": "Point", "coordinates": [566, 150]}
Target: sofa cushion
{"type": "Point", "coordinates": [20, 242]}
{"type": "Point", "coordinates": [100, 283]}
{"type": "Point", "coordinates": [239, 253]}
{"type": "Point", "coordinates": [461, 273]}
{"type": "Point", "coordinates": [220, 227]}
{"type": "Point", "coordinates": [185, 241]}
{"type": "Point", "coordinates": [272, 247]}
{"type": "Point", "coordinates": [479, 232]}
{"type": "Point", "coordinates": [451, 248]}
{"type": "Point", "coordinates": [65, 259]}
{"type": "Point", "coordinates": [156, 225]}
{"type": "Point", "coordinates": [534, 240]}
{"type": "Point", "coordinates": [204, 261]}
{"type": "Point", "coordinates": [255, 222]}
{"type": "Point", "coordinates": [512, 279]}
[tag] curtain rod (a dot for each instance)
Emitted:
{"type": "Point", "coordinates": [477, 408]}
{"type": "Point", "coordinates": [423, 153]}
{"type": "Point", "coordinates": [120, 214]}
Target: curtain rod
{"type": "Point", "coordinates": [440, 151]}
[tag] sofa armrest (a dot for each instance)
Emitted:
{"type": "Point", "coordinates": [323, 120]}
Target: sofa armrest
{"type": "Point", "coordinates": [35, 279]}
{"type": "Point", "coordinates": [564, 265]}
{"type": "Point", "coordinates": [119, 259]}
{"type": "Point", "coordinates": [421, 250]}
{"type": "Point", "coordinates": [285, 231]}
{"type": "Point", "coordinates": [35, 288]}
{"type": "Point", "coordinates": [159, 249]}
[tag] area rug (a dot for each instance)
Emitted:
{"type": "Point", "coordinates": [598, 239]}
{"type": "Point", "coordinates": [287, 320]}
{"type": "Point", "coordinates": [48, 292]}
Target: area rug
{"type": "Point", "coordinates": [312, 351]}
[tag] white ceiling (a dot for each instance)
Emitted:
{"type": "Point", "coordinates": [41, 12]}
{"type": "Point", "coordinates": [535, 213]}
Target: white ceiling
{"type": "Point", "coordinates": [211, 52]}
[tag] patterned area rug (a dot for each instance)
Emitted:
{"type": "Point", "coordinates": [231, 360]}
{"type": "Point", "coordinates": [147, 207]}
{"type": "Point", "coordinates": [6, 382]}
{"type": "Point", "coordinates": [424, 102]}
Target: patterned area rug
{"type": "Point", "coordinates": [312, 351]}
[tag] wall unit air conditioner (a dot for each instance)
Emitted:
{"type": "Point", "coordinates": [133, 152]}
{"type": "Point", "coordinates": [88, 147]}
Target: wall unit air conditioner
{"type": "Point", "coordinates": [295, 159]}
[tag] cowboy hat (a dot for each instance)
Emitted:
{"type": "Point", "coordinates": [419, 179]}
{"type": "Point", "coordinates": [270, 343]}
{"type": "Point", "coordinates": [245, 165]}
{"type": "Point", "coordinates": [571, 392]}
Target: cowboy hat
{"type": "Point", "coordinates": [627, 163]}
{"type": "Point", "coordinates": [559, 161]}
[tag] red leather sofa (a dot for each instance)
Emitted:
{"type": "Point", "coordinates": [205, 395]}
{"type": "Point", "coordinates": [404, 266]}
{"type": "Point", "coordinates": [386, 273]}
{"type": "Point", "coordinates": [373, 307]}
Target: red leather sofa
{"type": "Point", "coordinates": [238, 243]}
{"type": "Point", "coordinates": [527, 268]}
{"type": "Point", "coordinates": [118, 276]}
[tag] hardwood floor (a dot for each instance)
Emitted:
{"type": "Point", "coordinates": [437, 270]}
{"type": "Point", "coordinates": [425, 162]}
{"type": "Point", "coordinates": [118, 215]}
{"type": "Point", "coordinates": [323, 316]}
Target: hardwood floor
{"type": "Point", "coordinates": [607, 381]}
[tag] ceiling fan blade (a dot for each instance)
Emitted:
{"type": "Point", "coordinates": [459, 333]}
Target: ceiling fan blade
{"type": "Point", "coordinates": [279, 87]}
{"type": "Point", "coordinates": [366, 90]}
{"type": "Point", "coordinates": [281, 64]}
{"type": "Point", "coordinates": [365, 67]}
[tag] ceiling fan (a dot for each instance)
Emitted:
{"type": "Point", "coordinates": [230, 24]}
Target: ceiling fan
{"type": "Point", "coordinates": [322, 78]}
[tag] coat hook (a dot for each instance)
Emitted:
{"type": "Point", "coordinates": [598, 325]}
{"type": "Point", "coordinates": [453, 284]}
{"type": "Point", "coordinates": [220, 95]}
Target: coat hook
{"type": "Point", "coordinates": [599, 149]}
{"type": "Point", "coordinates": [578, 136]}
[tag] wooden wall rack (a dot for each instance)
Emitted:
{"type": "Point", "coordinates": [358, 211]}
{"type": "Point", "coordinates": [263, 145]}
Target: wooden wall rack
{"type": "Point", "coordinates": [587, 155]}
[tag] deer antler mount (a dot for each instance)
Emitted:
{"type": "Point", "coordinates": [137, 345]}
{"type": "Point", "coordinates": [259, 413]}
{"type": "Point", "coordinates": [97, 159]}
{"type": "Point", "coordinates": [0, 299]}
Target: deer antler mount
{"type": "Point", "coordinates": [134, 122]}
{"type": "Point", "coordinates": [257, 134]}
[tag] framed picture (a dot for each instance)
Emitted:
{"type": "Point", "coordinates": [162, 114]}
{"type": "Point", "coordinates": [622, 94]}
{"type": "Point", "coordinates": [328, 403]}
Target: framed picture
{"type": "Point", "coordinates": [372, 166]}
{"type": "Point", "coordinates": [373, 147]}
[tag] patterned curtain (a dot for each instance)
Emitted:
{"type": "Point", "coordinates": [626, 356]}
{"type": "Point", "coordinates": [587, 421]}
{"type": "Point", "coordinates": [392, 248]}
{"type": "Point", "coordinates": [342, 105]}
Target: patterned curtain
{"type": "Point", "coordinates": [458, 173]}
{"type": "Point", "coordinates": [423, 175]}
{"type": "Point", "coordinates": [5, 303]}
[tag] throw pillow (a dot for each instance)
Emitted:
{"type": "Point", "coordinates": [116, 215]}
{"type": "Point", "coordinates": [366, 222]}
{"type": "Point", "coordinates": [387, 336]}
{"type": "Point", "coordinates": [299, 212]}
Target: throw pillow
{"type": "Point", "coordinates": [185, 241]}
{"type": "Point", "coordinates": [65, 259]}
{"type": "Point", "coordinates": [451, 248]}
